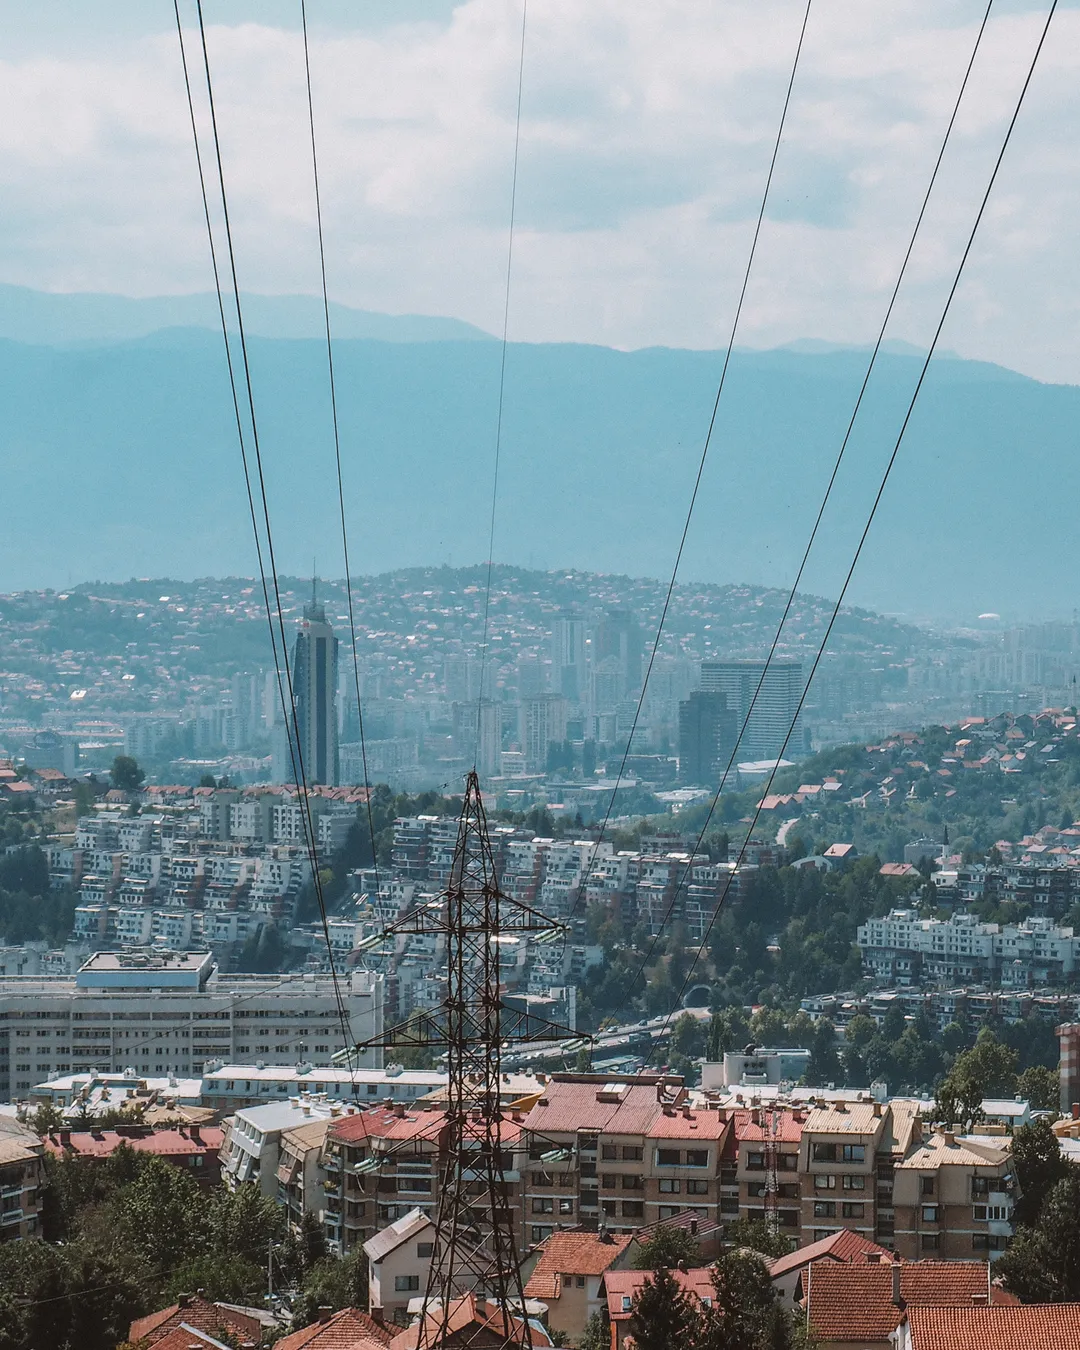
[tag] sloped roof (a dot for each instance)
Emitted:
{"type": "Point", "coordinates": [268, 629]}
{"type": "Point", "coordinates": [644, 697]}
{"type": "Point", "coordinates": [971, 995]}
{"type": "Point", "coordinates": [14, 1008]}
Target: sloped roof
{"type": "Point", "coordinates": [565, 1108]}
{"type": "Point", "coordinates": [626, 1284]}
{"type": "Point", "coordinates": [1032, 1326]}
{"type": "Point", "coordinates": [164, 1143]}
{"type": "Point", "coordinates": [749, 1130]}
{"type": "Point", "coordinates": [184, 1336]}
{"type": "Point", "coordinates": [843, 1245]}
{"type": "Point", "coordinates": [942, 1150]}
{"type": "Point", "coordinates": [400, 1231]}
{"type": "Point", "coordinates": [689, 1125]}
{"type": "Point", "coordinates": [845, 1118]}
{"type": "Point", "coordinates": [194, 1311]}
{"type": "Point", "coordinates": [855, 1302]}
{"type": "Point", "coordinates": [573, 1253]}
{"type": "Point", "coordinates": [349, 1329]}
{"type": "Point", "coordinates": [466, 1315]}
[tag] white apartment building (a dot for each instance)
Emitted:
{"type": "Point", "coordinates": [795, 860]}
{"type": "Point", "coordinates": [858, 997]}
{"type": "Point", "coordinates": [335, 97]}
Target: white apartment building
{"type": "Point", "coordinates": [903, 948]}
{"type": "Point", "coordinates": [162, 1012]}
{"type": "Point", "coordinates": [252, 1145]}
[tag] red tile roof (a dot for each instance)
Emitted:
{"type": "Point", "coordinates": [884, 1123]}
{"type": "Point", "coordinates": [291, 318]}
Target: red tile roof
{"type": "Point", "coordinates": [467, 1317]}
{"type": "Point", "coordinates": [195, 1312]}
{"type": "Point", "coordinates": [621, 1285]}
{"type": "Point", "coordinates": [855, 1302]}
{"type": "Point", "coordinates": [748, 1128]}
{"type": "Point", "coordinates": [184, 1336]}
{"type": "Point", "coordinates": [349, 1329]}
{"type": "Point", "coordinates": [163, 1143]}
{"type": "Point", "coordinates": [843, 1245]}
{"type": "Point", "coordinates": [363, 1125]}
{"type": "Point", "coordinates": [566, 1108]}
{"type": "Point", "coordinates": [573, 1253]}
{"type": "Point", "coordinates": [688, 1124]}
{"type": "Point", "coordinates": [1033, 1326]}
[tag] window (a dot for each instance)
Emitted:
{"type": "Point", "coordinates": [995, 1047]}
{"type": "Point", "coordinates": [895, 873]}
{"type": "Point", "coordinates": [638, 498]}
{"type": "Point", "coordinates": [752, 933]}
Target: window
{"type": "Point", "coordinates": [988, 1242]}
{"type": "Point", "coordinates": [667, 1157]}
{"type": "Point", "coordinates": [824, 1181]}
{"type": "Point", "coordinates": [566, 1206]}
{"type": "Point", "coordinates": [537, 1233]}
{"type": "Point", "coordinates": [926, 1185]}
{"type": "Point", "coordinates": [698, 1187]}
{"type": "Point", "coordinates": [990, 1213]}
{"type": "Point", "coordinates": [609, 1152]}
{"type": "Point", "coordinates": [729, 1204]}
{"type": "Point", "coordinates": [627, 1302]}
{"type": "Point", "coordinates": [579, 1280]}
{"type": "Point", "coordinates": [609, 1181]}
{"type": "Point", "coordinates": [543, 1204]}
{"type": "Point", "coordinates": [406, 1284]}
{"type": "Point", "coordinates": [633, 1153]}
{"type": "Point", "coordinates": [633, 1209]}
{"type": "Point", "coordinates": [851, 1211]}
{"type": "Point", "coordinates": [854, 1183]}
{"type": "Point", "coordinates": [824, 1209]}
{"type": "Point", "coordinates": [755, 1162]}
{"type": "Point", "coordinates": [668, 1211]}
{"type": "Point", "coordinates": [824, 1152]}
{"type": "Point", "coordinates": [697, 1157]}
{"type": "Point", "coordinates": [930, 1213]}
{"type": "Point", "coordinates": [635, 1183]}
{"type": "Point", "coordinates": [930, 1242]}
{"type": "Point", "coordinates": [668, 1187]}
{"type": "Point", "coordinates": [980, 1186]}
{"type": "Point", "coordinates": [854, 1152]}
{"type": "Point", "coordinates": [425, 1250]}
{"type": "Point", "coordinates": [755, 1188]}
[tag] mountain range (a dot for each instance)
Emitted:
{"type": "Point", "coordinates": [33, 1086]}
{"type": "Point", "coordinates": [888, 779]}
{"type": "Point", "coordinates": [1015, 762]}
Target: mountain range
{"type": "Point", "coordinates": [119, 456]}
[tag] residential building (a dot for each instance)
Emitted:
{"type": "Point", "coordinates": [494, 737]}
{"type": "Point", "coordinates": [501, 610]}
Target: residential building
{"type": "Point", "coordinates": [567, 1273]}
{"type": "Point", "coordinates": [708, 732]}
{"type": "Point", "coordinates": [839, 1151]}
{"type": "Point", "coordinates": [193, 1313]}
{"type": "Point", "coordinates": [789, 1273]}
{"type": "Point", "coordinates": [349, 1329]}
{"type": "Point", "coordinates": [754, 1066]}
{"type": "Point", "coordinates": [20, 1181]}
{"type": "Point", "coordinates": [954, 1198]}
{"type": "Point", "coordinates": [161, 1012]}
{"type": "Point", "coordinates": [759, 1137]}
{"type": "Point", "coordinates": [471, 1321]}
{"type": "Point", "coordinates": [300, 1174]}
{"type": "Point", "coordinates": [230, 1086]}
{"type": "Point", "coordinates": [860, 1306]}
{"type": "Point", "coordinates": [194, 1149]}
{"type": "Point", "coordinates": [621, 1287]}
{"type": "Point", "coordinates": [542, 723]}
{"type": "Point", "coordinates": [399, 1258]}
{"type": "Point", "coordinates": [251, 1151]}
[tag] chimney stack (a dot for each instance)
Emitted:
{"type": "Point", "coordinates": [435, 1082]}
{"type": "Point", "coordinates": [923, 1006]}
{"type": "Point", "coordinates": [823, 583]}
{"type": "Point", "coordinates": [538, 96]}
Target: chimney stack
{"type": "Point", "coordinates": [896, 1296]}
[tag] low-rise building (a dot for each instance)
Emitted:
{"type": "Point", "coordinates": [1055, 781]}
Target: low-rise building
{"type": "Point", "coordinates": [567, 1273]}
{"type": "Point", "coordinates": [195, 1149]}
{"type": "Point", "coordinates": [20, 1181]}
{"type": "Point", "coordinates": [399, 1258]}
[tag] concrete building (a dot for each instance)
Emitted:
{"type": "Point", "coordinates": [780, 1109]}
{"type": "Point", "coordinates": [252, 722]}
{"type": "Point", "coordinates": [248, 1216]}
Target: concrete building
{"type": "Point", "coordinates": [774, 708]}
{"type": "Point", "coordinates": [20, 1181]}
{"type": "Point", "coordinates": [542, 722]}
{"type": "Point", "coordinates": [313, 730]}
{"type": "Point", "coordinates": [569, 656]}
{"type": "Point", "coordinates": [399, 1258]}
{"type": "Point", "coordinates": [755, 1066]}
{"type": "Point", "coordinates": [253, 1144]}
{"type": "Point", "coordinates": [567, 1274]}
{"type": "Point", "coordinates": [954, 1198]}
{"type": "Point", "coordinates": [161, 1012]}
{"type": "Point", "coordinates": [708, 731]}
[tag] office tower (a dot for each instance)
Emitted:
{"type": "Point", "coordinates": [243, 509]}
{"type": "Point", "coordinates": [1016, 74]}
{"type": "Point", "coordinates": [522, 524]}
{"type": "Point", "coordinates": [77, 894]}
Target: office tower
{"type": "Point", "coordinates": [568, 652]}
{"type": "Point", "coordinates": [707, 732]}
{"type": "Point", "coordinates": [774, 710]}
{"type": "Point", "coordinates": [618, 637]}
{"type": "Point", "coordinates": [543, 720]}
{"type": "Point", "coordinates": [477, 730]}
{"type": "Point", "coordinates": [315, 683]}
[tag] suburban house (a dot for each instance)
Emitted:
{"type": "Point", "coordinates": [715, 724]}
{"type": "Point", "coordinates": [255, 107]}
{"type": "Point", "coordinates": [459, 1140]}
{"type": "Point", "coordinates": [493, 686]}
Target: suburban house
{"type": "Point", "coordinates": [399, 1258]}
{"type": "Point", "coordinates": [567, 1271]}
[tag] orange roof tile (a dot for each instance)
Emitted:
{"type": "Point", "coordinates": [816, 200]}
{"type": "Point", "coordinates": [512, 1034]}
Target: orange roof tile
{"type": "Point", "coordinates": [465, 1313]}
{"type": "Point", "coordinates": [687, 1124]}
{"type": "Point", "coordinates": [1032, 1326]}
{"type": "Point", "coordinates": [573, 1253]}
{"type": "Point", "coordinates": [855, 1302]}
{"type": "Point", "coordinates": [349, 1329]}
{"type": "Point", "coordinates": [566, 1108]}
{"type": "Point", "coordinates": [843, 1245]}
{"type": "Point", "coordinates": [621, 1285]}
{"type": "Point", "coordinates": [195, 1312]}
{"type": "Point", "coordinates": [748, 1128]}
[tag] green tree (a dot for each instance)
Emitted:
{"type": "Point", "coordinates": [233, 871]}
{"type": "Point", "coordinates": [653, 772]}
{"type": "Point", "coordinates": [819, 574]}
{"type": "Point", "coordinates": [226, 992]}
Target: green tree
{"type": "Point", "coordinates": [162, 1215]}
{"type": "Point", "coordinates": [1043, 1263]}
{"type": "Point", "coordinates": [758, 1237]}
{"type": "Point", "coordinates": [662, 1315]}
{"type": "Point", "coordinates": [333, 1283]}
{"type": "Point", "coordinates": [597, 1333]}
{"type": "Point", "coordinates": [1039, 1167]}
{"type": "Point", "coordinates": [126, 774]}
{"type": "Point", "coordinates": [741, 1314]}
{"type": "Point", "coordinates": [667, 1247]}
{"type": "Point", "coordinates": [1040, 1086]}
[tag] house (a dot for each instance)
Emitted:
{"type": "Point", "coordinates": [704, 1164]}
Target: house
{"type": "Point", "coordinates": [471, 1321]}
{"type": "Point", "coordinates": [246, 1325]}
{"type": "Point", "coordinates": [399, 1258]}
{"type": "Point", "coordinates": [194, 1148]}
{"type": "Point", "coordinates": [843, 1246]}
{"type": "Point", "coordinates": [859, 1307]}
{"type": "Point", "coordinates": [349, 1329]}
{"type": "Point", "coordinates": [1031, 1326]}
{"type": "Point", "coordinates": [621, 1287]}
{"type": "Point", "coordinates": [567, 1272]}
{"type": "Point", "coordinates": [838, 854]}
{"type": "Point", "coordinates": [186, 1337]}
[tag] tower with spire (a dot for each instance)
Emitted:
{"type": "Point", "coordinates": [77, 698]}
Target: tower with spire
{"type": "Point", "coordinates": [314, 732]}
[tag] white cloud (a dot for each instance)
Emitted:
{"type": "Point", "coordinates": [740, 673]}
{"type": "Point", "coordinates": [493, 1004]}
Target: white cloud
{"type": "Point", "coordinates": [645, 139]}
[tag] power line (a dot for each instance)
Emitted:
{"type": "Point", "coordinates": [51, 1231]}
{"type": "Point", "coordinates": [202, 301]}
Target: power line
{"type": "Point", "coordinates": [705, 447]}
{"type": "Point", "coordinates": [879, 494]}
{"type": "Point", "coordinates": [732, 758]}
{"type": "Point", "coordinates": [502, 379]}
{"type": "Point", "coordinates": [337, 439]}
{"type": "Point", "coordinates": [287, 705]}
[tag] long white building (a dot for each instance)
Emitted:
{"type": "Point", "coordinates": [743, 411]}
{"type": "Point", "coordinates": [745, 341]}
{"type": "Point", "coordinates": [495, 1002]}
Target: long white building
{"type": "Point", "coordinates": [158, 1013]}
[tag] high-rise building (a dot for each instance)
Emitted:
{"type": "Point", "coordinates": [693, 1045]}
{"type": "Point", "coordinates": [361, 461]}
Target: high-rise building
{"type": "Point", "coordinates": [775, 708]}
{"type": "Point", "coordinates": [315, 684]}
{"type": "Point", "coordinates": [568, 656]}
{"type": "Point", "coordinates": [708, 729]}
{"type": "Point", "coordinates": [543, 720]}
{"type": "Point", "coordinates": [478, 735]}
{"type": "Point", "coordinates": [618, 635]}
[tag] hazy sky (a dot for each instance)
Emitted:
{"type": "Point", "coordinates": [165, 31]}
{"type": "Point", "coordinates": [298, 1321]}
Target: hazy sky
{"type": "Point", "coordinates": [645, 140]}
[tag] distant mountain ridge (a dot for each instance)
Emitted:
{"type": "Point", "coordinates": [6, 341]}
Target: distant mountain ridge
{"type": "Point", "coordinates": [118, 458]}
{"type": "Point", "coordinates": [39, 316]}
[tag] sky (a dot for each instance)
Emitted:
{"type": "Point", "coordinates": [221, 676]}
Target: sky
{"type": "Point", "coordinates": [644, 142]}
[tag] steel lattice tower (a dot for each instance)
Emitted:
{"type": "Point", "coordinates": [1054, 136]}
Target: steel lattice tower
{"type": "Point", "coordinates": [475, 1246]}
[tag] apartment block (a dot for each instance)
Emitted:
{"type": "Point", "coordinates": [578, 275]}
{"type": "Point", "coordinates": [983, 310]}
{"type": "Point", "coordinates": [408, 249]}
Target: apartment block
{"type": "Point", "coordinates": [953, 1199]}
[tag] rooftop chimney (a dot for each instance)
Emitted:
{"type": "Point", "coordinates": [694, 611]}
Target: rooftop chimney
{"type": "Point", "coordinates": [196, 1137]}
{"type": "Point", "coordinates": [325, 1313]}
{"type": "Point", "coordinates": [896, 1297]}
{"type": "Point", "coordinates": [183, 1300]}
{"type": "Point", "coordinates": [1076, 1110]}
